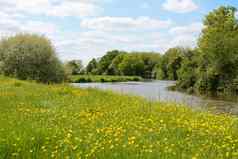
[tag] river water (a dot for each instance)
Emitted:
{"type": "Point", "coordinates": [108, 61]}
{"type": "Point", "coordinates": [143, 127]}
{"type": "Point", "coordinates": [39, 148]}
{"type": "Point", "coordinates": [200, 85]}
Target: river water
{"type": "Point", "coordinates": [158, 91]}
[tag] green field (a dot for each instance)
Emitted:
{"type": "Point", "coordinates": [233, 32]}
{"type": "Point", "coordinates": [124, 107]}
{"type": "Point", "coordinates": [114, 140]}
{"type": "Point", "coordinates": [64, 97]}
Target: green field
{"type": "Point", "coordinates": [102, 78]}
{"type": "Point", "coordinates": [57, 121]}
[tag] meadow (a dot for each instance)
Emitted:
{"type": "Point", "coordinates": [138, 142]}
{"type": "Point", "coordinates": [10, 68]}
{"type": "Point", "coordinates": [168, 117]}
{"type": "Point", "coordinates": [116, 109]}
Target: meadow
{"type": "Point", "coordinates": [61, 122]}
{"type": "Point", "coordinates": [102, 78]}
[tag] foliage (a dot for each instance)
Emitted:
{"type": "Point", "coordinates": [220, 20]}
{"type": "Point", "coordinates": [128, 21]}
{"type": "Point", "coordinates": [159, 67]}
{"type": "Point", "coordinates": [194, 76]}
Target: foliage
{"type": "Point", "coordinates": [104, 63]}
{"type": "Point", "coordinates": [114, 66]}
{"type": "Point", "coordinates": [39, 121]}
{"type": "Point", "coordinates": [131, 65]}
{"type": "Point", "coordinates": [74, 67]}
{"type": "Point", "coordinates": [170, 63]}
{"type": "Point", "coordinates": [103, 78]}
{"type": "Point", "coordinates": [150, 60]}
{"type": "Point", "coordinates": [27, 56]}
{"type": "Point", "coordinates": [124, 63]}
{"type": "Point", "coordinates": [187, 73]}
{"type": "Point", "coordinates": [219, 47]}
{"type": "Point", "coordinates": [213, 65]}
{"type": "Point", "coordinates": [92, 67]}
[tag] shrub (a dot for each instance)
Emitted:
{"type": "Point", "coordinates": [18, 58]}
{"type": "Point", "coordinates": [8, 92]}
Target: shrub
{"type": "Point", "coordinates": [102, 80]}
{"type": "Point", "coordinates": [136, 79]}
{"type": "Point", "coordinates": [81, 80]}
{"type": "Point", "coordinates": [31, 57]}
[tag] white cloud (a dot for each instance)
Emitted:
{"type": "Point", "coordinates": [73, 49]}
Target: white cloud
{"type": "Point", "coordinates": [193, 28]}
{"type": "Point", "coordinates": [185, 35]}
{"type": "Point", "coordinates": [124, 23]}
{"type": "Point", "coordinates": [183, 40]}
{"type": "Point", "coordinates": [106, 33]}
{"type": "Point", "coordinates": [11, 24]}
{"type": "Point", "coordinates": [69, 8]}
{"type": "Point", "coordinates": [26, 4]}
{"type": "Point", "coordinates": [39, 27]}
{"type": "Point", "coordinates": [61, 8]}
{"type": "Point", "coordinates": [180, 6]}
{"type": "Point", "coordinates": [95, 43]}
{"type": "Point", "coordinates": [91, 36]}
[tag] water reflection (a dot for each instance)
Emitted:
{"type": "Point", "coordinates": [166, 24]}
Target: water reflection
{"type": "Point", "coordinates": [157, 90]}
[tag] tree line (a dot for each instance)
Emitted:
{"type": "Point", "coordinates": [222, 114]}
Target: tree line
{"type": "Point", "coordinates": [211, 66]}
{"type": "Point", "coordinates": [123, 63]}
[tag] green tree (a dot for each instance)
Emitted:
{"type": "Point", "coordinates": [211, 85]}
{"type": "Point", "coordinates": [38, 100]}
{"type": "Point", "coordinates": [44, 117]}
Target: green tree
{"type": "Point", "coordinates": [169, 64]}
{"type": "Point", "coordinates": [150, 60]}
{"type": "Point", "coordinates": [74, 67]}
{"type": "Point", "coordinates": [92, 67]}
{"type": "Point", "coordinates": [188, 71]}
{"type": "Point", "coordinates": [161, 69]}
{"type": "Point", "coordinates": [219, 49]}
{"type": "Point", "coordinates": [27, 56]}
{"type": "Point", "coordinates": [131, 65]}
{"type": "Point", "coordinates": [114, 67]}
{"type": "Point", "coordinates": [174, 56]}
{"type": "Point", "coordinates": [105, 62]}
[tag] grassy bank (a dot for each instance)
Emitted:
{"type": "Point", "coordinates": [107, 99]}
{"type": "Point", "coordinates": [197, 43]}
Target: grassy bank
{"type": "Point", "coordinates": [103, 78]}
{"type": "Point", "coordinates": [39, 121]}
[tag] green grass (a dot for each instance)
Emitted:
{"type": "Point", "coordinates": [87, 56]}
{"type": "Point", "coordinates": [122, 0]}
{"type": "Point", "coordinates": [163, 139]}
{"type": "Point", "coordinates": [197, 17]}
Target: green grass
{"type": "Point", "coordinates": [57, 121]}
{"type": "Point", "coordinates": [103, 78]}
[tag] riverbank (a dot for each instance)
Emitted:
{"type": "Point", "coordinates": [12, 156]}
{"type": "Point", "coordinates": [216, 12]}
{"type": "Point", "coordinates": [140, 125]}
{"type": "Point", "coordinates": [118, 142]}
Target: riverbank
{"type": "Point", "coordinates": [58, 121]}
{"type": "Point", "coordinates": [103, 78]}
{"type": "Point", "coordinates": [159, 91]}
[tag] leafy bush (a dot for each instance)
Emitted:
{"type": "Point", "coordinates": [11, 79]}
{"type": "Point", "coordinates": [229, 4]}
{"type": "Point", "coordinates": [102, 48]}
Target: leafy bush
{"type": "Point", "coordinates": [32, 57]}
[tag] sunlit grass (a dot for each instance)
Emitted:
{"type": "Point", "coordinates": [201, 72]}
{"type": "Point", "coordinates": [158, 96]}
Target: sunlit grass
{"type": "Point", "coordinates": [39, 122]}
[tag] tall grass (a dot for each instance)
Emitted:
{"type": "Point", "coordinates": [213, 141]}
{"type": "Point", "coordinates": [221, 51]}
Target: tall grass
{"type": "Point", "coordinates": [102, 78]}
{"type": "Point", "coordinates": [57, 121]}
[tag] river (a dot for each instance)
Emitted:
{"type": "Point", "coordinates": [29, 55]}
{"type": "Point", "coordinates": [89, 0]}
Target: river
{"type": "Point", "coordinates": [158, 91]}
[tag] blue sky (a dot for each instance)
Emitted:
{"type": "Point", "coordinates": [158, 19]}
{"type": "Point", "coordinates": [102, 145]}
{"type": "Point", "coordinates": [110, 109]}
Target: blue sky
{"type": "Point", "coordinates": [83, 29]}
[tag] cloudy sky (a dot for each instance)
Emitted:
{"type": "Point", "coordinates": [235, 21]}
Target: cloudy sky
{"type": "Point", "coordinates": [83, 29]}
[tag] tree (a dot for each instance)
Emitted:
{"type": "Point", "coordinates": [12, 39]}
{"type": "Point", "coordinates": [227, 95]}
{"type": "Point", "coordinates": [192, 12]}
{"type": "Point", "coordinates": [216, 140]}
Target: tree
{"type": "Point", "coordinates": [174, 56]}
{"type": "Point", "coordinates": [150, 60]}
{"type": "Point", "coordinates": [105, 62]}
{"type": "Point", "coordinates": [169, 64]}
{"type": "Point", "coordinates": [161, 69]}
{"type": "Point", "coordinates": [114, 67]}
{"type": "Point", "coordinates": [28, 56]}
{"type": "Point", "coordinates": [125, 63]}
{"type": "Point", "coordinates": [132, 65]}
{"type": "Point", "coordinates": [187, 74]}
{"type": "Point", "coordinates": [92, 67]}
{"type": "Point", "coordinates": [219, 48]}
{"type": "Point", "coordinates": [74, 67]}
